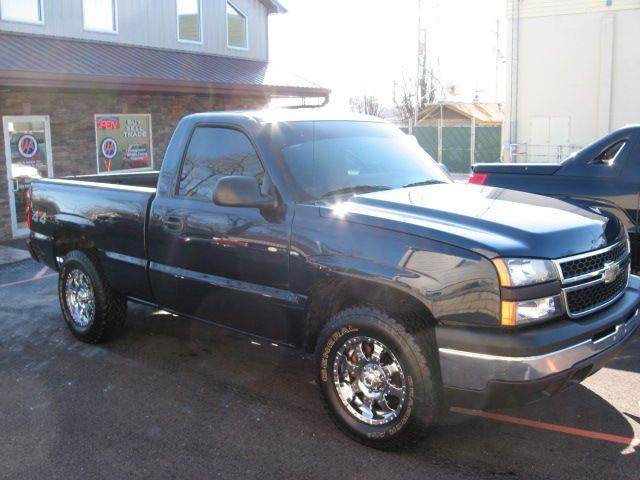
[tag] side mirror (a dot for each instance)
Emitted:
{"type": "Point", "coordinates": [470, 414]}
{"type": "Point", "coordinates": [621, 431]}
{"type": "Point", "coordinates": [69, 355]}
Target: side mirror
{"type": "Point", "coordinates": [241, 191]}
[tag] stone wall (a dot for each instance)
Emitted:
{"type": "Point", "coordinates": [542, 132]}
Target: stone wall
{"type": "Point", "coordinates": [71, 115]}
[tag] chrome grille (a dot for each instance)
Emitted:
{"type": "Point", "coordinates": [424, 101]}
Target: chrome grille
{"type": "Point", "coordinates": [586, 298]}
{"type": "Point", "coordinates": [590, 263]}
{"type": "Point", "coordinates": [593, 280]}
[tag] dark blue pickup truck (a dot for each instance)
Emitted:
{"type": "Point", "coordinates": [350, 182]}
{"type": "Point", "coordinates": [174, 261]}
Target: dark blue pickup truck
{"type": "Point", "coordinates": [603, 176]}
{"type": "Point", "coordinates": [339, 235]}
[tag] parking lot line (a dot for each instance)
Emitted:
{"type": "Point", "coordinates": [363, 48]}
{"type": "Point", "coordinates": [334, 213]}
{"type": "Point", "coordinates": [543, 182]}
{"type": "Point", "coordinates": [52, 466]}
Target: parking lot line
{"type": "Point", "coordinates": [41, 273]}
{"type": "Point", "coordinates": [627, 441]}
{"type": "Point", "coordinates": [28, 280]}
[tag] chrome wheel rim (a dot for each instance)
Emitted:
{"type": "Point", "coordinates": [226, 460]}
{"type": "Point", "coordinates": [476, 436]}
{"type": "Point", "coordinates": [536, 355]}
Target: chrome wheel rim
{"type": "Point", "coordinates": [79, 297]}
{"type": "Point", "coordinates": [369, 380]}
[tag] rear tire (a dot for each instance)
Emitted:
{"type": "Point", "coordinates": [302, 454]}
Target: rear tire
{"type": "Point", "coordinates": [389, 397]}
{"type": "Point", "coordinates": [93, 311]}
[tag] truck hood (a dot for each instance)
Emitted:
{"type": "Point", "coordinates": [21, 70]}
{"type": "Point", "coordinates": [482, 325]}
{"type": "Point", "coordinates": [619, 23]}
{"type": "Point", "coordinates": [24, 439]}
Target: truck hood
{"type": "Point", "coordinates": [490, 221]}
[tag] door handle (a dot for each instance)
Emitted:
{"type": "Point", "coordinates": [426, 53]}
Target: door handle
{"type": "Point", "coordinates": [173, 223]}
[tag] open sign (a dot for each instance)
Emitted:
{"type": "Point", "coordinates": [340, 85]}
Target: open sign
{"type": "Point", "coordinates": [107, 123]}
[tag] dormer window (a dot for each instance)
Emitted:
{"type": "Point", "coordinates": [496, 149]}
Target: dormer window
{"type": "Point", "coordinates": [24, 11]}
{"type": "Point", "coordinates": [189, 21]}
{"type": "Point", "coordinates": [237, 30]}
{"type": "Point", "coordinates": [100, 15]}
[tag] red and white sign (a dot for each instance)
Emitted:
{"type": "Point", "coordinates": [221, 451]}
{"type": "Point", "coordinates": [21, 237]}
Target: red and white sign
{"type": "Point", "coordinates": [27, 146]}
{"type": "Point", "coordinates": [109, 148]}
{"type": "Point", "coordinates": [107, 123]}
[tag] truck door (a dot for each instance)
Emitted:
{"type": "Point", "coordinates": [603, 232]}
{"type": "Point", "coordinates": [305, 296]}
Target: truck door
{"type": "Point", "coordinates": [228, 265]}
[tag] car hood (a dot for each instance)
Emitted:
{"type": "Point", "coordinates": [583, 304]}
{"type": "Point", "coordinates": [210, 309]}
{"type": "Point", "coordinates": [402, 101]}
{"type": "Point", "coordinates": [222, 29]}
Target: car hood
{"type": "Point", "coordinates": [490, 221]}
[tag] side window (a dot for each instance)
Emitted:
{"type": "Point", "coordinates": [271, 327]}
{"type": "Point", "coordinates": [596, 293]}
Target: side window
{"type": "Point", "coordinates": [610, 154]}
{"type": "Point", "coordinates": [237, 29]}
{"type": "Point", "coordinates": [214, 153]}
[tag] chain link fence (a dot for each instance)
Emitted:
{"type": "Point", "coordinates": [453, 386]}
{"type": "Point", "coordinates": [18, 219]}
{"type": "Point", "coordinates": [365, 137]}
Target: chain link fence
{"type": "Point", "coordinates": [529, 153]}
{"type": "Point", "coordinates": [459, 147]}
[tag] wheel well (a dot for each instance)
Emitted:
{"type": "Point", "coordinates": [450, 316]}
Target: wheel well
{"type": "Point", "coordinates": [66, 243]}
{"type": "Point", "coordinates": [332, 296]}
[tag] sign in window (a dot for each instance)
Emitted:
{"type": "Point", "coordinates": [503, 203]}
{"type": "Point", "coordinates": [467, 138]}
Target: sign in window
{"type": "Point", "coordinates": [124, 142]}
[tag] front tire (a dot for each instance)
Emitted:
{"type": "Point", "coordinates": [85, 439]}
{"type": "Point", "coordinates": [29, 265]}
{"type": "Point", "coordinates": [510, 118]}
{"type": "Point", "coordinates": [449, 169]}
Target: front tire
{"type": "Point", "coordinates": [92, 310]}
{"type": "Point", "coordinates": [380, 382]}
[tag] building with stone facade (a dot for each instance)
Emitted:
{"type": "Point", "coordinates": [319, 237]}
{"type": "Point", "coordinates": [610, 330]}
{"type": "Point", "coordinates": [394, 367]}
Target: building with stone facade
{"type": "Point", "coordinates": [92, 86]}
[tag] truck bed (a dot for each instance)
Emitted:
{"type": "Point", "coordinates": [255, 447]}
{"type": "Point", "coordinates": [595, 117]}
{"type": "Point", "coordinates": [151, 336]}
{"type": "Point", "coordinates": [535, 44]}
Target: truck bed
{"type": "Point", "coordinates": [136, 179]}
{"type": "Point", "coordinates": [109, 212]}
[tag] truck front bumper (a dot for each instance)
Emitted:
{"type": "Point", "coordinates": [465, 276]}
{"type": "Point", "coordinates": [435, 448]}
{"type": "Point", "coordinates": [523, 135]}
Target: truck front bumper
{"type": "Point", "coordinates": [494, 375]}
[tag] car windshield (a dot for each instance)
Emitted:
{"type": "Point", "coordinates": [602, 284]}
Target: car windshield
{"type": "Point", "coordinates": [331, 158]}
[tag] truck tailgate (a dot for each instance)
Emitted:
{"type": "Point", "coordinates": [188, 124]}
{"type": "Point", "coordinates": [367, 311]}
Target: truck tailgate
{"type": "Point", "coordinates": [516, 168]}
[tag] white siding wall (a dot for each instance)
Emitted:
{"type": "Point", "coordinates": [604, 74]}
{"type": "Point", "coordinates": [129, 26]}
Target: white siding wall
{"type": "Point", "coordinates": [548, 8]}
{"type": "Point", "coordinates": [580, 71]}
{"type": "Point", "coordinates": [153, 23]}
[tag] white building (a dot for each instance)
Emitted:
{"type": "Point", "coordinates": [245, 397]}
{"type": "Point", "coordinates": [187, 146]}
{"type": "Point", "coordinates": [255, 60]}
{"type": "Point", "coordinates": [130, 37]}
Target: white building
{"type": "Point", "coordinates": [573, 74]}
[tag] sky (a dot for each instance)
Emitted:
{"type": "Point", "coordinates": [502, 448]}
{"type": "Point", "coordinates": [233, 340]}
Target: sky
{"type": "Point", "coordinates": [355, 47]}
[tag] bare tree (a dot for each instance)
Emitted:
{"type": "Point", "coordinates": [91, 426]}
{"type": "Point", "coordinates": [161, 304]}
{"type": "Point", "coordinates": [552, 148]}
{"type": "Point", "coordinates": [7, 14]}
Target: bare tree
{"type": "Point", "coordinates": [427, 86]}
{"type": "Point", "coordinates": [367, 104]}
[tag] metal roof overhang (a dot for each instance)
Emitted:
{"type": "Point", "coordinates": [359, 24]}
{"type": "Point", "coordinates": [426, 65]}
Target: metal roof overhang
{"type": "Point", "coordinates": [28, 79]}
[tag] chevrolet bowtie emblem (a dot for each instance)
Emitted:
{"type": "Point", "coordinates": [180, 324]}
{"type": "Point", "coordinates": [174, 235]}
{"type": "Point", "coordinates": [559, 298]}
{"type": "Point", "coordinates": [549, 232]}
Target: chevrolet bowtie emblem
{"type": "Point", "coordinates": [611, 271]}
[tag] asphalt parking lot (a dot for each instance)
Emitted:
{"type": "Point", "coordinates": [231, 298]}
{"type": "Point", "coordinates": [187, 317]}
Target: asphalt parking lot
{"type": "Point", "coordinates": [174, 398]}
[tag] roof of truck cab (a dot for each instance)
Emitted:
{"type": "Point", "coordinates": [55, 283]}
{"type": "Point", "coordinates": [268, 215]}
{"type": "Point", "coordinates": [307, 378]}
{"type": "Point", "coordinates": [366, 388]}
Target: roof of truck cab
{"type": "Point", "coordinates": [278, 115]}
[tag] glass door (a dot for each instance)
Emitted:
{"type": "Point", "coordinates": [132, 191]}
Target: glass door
{"type": "Point", "coordinates": [27, 144]}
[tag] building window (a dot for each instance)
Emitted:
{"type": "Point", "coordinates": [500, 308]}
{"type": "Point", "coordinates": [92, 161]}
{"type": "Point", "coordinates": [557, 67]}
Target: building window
{"type": "Point", "coordinates": [26, 11]}
{"type": "Point", "coordinates": [189, 20]}
{"type": "Point", "coordinates": [123, 142]}
{"type": "Point", "coordinates": [237, 30]}
{"type": "Point", "coordinates": [100, 15]}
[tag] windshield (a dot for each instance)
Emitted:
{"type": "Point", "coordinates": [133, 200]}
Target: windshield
{"type": "Point", "coordinates": [330, 158]}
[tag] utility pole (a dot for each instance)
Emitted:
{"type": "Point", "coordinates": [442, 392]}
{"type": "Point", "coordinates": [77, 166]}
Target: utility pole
{"type": "Point", "coordinates": [420, 46]}
{"type": "Point", "coordinates": [499, 57]}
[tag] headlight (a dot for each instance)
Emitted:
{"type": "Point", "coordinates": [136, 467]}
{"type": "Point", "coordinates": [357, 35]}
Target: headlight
{"type": "Point", "coordinates": [530, 311]}
{"type": "Point", "coordinates": [523, 272]}
{"type": "Point", "coordinates": [519, 272]}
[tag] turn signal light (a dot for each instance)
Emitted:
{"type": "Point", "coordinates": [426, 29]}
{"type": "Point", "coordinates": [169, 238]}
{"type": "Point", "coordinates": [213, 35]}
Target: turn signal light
{"type": "Point", "coordinates": [503, 272]}
{"type": "Point", "coordinates": [478, 178]}
{"type": "Point", "coordinates": [508, 314]}
{"type": "Point", "coordinates": [527, 312]}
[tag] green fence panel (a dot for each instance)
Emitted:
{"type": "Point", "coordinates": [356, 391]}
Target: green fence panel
{"type": "Point", "coordinates": [456, 149]}
{"type": "Point", "coordinates": [427, 137]}
{"type": "Point", "coordinates": [487, 145]}
{"type": "Point", "coordinates": [456, 145]}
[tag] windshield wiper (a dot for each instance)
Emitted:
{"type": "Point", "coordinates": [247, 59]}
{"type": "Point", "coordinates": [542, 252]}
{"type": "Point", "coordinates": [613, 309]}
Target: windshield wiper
{"type": "Point", "coordinates": [423, 182]}
{"type": "Point", "coordinates": [355, 189]}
